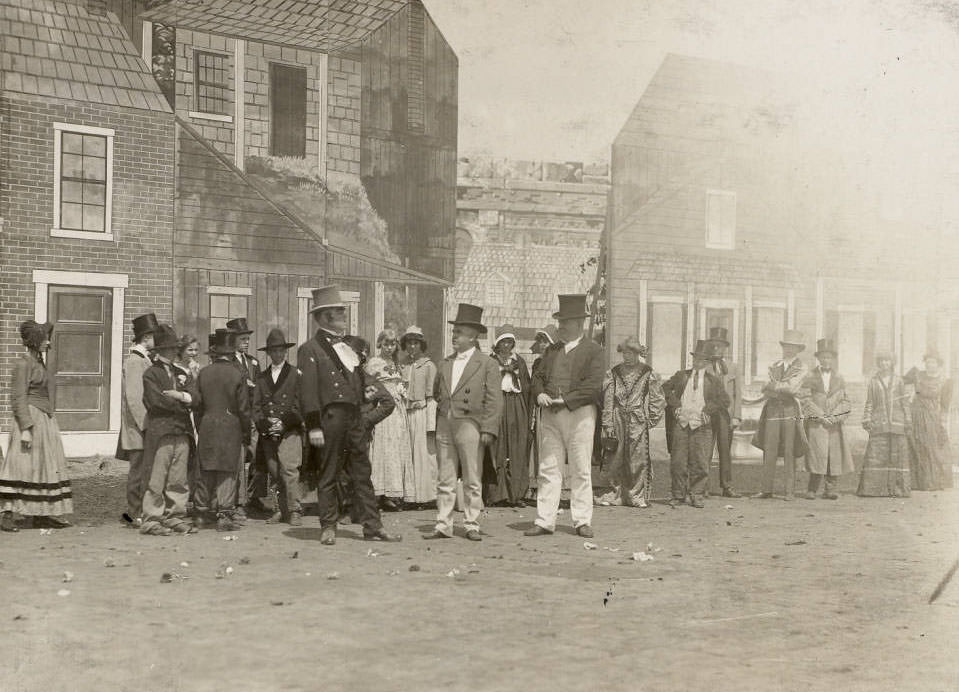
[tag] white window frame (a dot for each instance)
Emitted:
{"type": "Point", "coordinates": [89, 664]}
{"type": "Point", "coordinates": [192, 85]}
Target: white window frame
{"type": "Point", "coordinates": [722, 304]}
{"type": "Point", "coordinates": [229, 291]}
{"type": "Point", "coordinates": [760, 375]}
{"type": "Point", "coordinates": [56, 231]}
{"type": "Point", "coordinates": [303, 296]}
{"type": "Point", "coordinates": [205, 115]}
{"type": "Point", "coordinates": [731, 243]}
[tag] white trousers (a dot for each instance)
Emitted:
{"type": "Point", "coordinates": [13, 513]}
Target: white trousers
{"type": "Point", "coordinates": [566, 436]}
{"type": "Point", "coordinates": [460, 455]}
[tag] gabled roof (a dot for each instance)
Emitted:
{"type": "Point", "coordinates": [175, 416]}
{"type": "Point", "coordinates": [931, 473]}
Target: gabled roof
{"type": "Point", "coordinates": [325, 25]}
{"type": "Point", "coordinates": [57, 48]}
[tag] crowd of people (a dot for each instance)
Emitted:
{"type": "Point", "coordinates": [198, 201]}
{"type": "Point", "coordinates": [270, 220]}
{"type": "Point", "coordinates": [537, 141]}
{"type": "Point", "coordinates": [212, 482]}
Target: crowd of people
{"type": "Point", "coordinates": [214, 445]}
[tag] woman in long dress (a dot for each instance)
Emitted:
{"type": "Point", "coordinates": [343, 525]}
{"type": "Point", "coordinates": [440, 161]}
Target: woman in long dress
{"type": "Point", "coordinates": [633, 403]}
{"type": "Point", "coordinates": [421, 418]}
{"type": "Point", "coordinates": [932, 455]}
{"type": "Point", "coordinates": [390, 454]}
{"type": "Point", "coordinates": [887, 417]}
{"type": "Point", "coordinates": [33, 476]}
{"type": "Point", "coordinates": [507, 461]}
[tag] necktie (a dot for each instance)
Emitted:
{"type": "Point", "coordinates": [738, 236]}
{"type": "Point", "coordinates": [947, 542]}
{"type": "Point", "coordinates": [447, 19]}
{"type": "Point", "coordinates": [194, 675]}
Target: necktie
{"type": "Point", "coordinates": [334, 338]}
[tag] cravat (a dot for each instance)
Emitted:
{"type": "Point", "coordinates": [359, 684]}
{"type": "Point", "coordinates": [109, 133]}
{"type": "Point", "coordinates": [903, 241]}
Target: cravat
{"type": "Point", "coordinates": [334, 338]}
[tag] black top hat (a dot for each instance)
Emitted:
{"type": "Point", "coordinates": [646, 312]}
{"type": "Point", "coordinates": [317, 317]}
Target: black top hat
{"type": "Point", "coordinates": [276, 337]}
{"type": "Point", "coordinates": [143, 325]}
{"type": "Point", "coordinates": [223, 342]}
{"type": "Point", "coordinates": [469, 316]}
{"type": "Point", "coordinates": [720, 335]}
{"type": "Point", "coordinates": [165, 337]}
{"type": "Point", "coordinates": [825, 346]}
{"type": "Point", "coordinates": [571, 307]}
{"type": "Point", "coordinates": [702, 349]}
{"type": "Point", "coordinates": [238, 326]}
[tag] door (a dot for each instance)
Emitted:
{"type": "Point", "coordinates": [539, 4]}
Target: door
{"type": "Point", "coordinates": [287, 110]}
{"type": "Point", "coordinates": [80, 355]}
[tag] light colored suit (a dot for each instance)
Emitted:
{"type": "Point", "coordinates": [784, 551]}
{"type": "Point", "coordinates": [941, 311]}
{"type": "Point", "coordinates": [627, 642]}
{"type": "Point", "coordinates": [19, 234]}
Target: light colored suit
{"type": "Point", "coordinates": [463, 412]}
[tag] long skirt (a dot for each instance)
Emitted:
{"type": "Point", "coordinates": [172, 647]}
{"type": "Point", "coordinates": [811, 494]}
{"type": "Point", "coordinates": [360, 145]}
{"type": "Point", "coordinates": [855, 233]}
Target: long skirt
{"type": "Point", "coordinates": [391, 457]}
{"type": "Point", "coordinates": [34, 483]}
{"type": "Point", "coordinates": [506, 466]}
{"type": "Point", "coordinates": [885, 467]}
{"type": "Point", "coordinates": [631, 471]}
{"type": "Point", "coordinates": [425, 471]}
{"type": "Point", "coordinates": [932, 460]}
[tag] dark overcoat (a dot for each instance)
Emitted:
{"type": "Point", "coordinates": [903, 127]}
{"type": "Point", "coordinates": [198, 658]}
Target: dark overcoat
{"type": "Point", "coordinates": [223, 416]}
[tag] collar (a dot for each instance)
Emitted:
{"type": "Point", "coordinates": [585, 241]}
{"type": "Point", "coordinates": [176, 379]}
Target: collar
{"type": "Point", "coordinates": [465, 355]}
{"type": "Point", "coordinates": [277, 367]}
{"type": "Point", "coordinates": [788, 363]}
{"type": "Point", "coordinates": [141, 349]}
{"type": "Point", "coordinates": [331, 333]}
{"type": "Point", "coordinates": [570, 345]}
{"type": "Point", "coordinates": [164, 361]}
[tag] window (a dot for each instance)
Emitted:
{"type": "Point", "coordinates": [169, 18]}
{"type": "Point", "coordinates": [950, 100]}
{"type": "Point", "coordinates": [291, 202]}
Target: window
{"type": "Point", "coordinates": [720, 219]}
{"type": "Point", "coordinates": [666, 336]}
{"type": "Point", "coordinates": [83, 186]}
{"type": "Point", "coordinates": [225, 307]}
{"type": "Point", "coordinates": [914, 338]}
{"type": "Point", "coordinates": [854, 332]}
{"type": "Point", "coordinates": [287, 110]}
{"type": "Point", "coordinates": [769, 323]}
{"type": "Point", "coordinates": [210, 80]}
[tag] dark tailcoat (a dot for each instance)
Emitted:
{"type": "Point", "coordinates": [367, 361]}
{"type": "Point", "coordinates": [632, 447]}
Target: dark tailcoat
{"type": "Point", "coordinates": [223, 416]}
{"type": "Point", "coordinates": [587, 368]}
{"type": "Point", "coordinates": [280, 399]}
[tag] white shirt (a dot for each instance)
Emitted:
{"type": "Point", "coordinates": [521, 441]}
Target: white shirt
{"type": "Point", "coordinates": [459, 365]}
{"type": "Point", "coordinates": [570, 345]}
{"type": "Point", "coordinates": [826, 378]}
{"type": "Point", "coordinates": [693, 402]}
{"type": "Point", "coordinates": [275, 371]}
{"type": "Point", "coordinates": [347, 355]}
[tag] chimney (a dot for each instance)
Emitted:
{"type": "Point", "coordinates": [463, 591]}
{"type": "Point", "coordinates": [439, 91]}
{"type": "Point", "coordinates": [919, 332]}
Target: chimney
{"type": "Point", "coordinates": [97, 7]}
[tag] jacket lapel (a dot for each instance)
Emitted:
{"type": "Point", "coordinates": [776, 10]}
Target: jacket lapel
{"type": "Point", "coordinates": [330, 352]}
{"type": "Point", "coordinates": [447, 374]}
{"type": "Point", "coordinates": [472, 365]}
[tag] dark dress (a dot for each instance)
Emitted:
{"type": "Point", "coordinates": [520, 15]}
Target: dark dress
{"type": "Point", "coordinates": [506, 466]}
{"type": "Point", "coordinates": [932, 455]}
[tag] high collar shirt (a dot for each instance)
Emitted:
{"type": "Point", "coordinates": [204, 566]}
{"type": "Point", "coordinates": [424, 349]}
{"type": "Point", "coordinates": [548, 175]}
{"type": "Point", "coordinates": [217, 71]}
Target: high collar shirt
{"type": "Point", "coordinates": [275, 371]}
{"type": "Point", "coordinates": [459, 365]}
{"type": "Point", "coordinates": [347, 355]}
{"type": "Point", "coordinates": [826, 378]}
{"type": "Point", "coordinates": [570, 345]}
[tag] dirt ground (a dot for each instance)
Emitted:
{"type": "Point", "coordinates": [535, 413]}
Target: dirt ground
{"type": "Point", "coordinates": [742, 595]}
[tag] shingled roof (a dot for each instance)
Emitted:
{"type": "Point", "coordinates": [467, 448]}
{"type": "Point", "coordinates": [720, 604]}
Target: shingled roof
{"type": "Point", "coordinates": [326, 25]}
{"type": "Point", "coordinates": [532, 275]}
{"type": "Point", "coordinates": [57, 48]}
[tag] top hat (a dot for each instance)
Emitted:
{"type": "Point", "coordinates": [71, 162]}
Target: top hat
{"type": "Point", "coordinates": [326, 297]}
{"type": "Point", "coordinates": [223, 342]}
{"type": "Point", "coordinates": [702, 349]}
{"type": "Point", "coordinates": [719, 335]}
{"type": "Point", "coordinates": [238, 326]}
{"type": "Point", "coordinates": [507, 331]}
{"type": "Point", "coordinates": [413, 333]}
{"type": "Point", "coordinates": [549, 331]}
{"type": "Point", "coordinates": [825, 346]}
{"type": "Point", "coordinates": [933, 354]}
{"type": "Point", "coordinates": [632, 344]}
{"type": "Point", "coordinates": [571, 307]}
{"type": "Point", "coordinates": [793, 337]}
{"type": "Point", "coordinates": [469, 316]}
{"type": "Point", "coordinates": [164, 336]}
{"type": "Point", "coordinates": [276, 337]}
{"type": "Point", "coordinates": [143, 325]}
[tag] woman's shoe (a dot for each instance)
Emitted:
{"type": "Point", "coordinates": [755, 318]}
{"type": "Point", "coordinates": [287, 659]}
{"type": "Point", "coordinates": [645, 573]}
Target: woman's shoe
{"type": "Point", "coordinates": [51, 523]}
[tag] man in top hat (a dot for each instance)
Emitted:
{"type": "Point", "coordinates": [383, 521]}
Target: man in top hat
{"type": "Point", "coordinates": [826, 406]}
{"type": "Point", "coordinates": [780, 432]}
{"type": "Point", "coordinates": [695, 395]}
{"type": "Point", "coordinates": [133, 414]}
{"type": "Point", "coordinates": [276, 416]}
{"type": "Point", "coordinates": [469, 404]}
{"type": "Point", "coordinates": [169, 394]}
{"type": "Point", "coordinates": [249, 367]}
{"type": "Point", "coordinates": [223, 423]}
{"type": "Point", "coordinates": [332, 392]}
{"type": "Point", "coordinates": [568, 388]}
{"type": "Point", "coordinates": [723, 422]}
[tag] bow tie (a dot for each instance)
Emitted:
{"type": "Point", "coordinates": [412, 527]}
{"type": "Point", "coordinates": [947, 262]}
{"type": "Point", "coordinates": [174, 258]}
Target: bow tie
{"type": "Point", "coordinates": [333, 338]}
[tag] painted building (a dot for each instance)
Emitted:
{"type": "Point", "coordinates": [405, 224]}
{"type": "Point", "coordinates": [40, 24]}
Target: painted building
{"type": "Point", "coordinates": [526, 232]}
{"type": "Point", "coordinates": [729, 209]}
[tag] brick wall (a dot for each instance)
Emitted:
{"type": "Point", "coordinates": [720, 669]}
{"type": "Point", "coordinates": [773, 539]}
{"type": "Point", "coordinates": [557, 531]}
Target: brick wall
{"type": "Point", "coordinates": [344, 89]}
{"type": "Point", "coordinates": [142, 220]}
